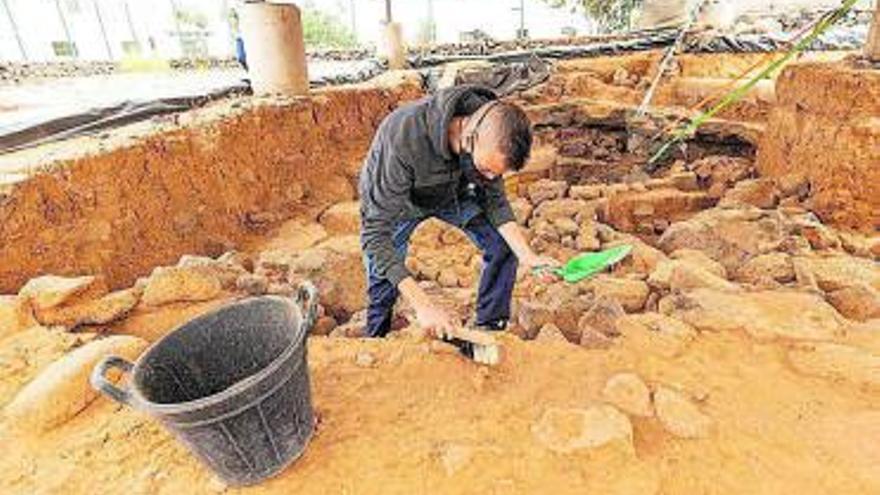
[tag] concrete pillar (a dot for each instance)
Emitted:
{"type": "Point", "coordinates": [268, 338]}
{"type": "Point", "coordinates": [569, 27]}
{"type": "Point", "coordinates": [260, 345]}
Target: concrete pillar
{"type": "Point", "coordinates": [872, 46]}
{"type": "Point", "coordinates": [273, 42]}
{"type": "Point", "coordinates": [394, 46]}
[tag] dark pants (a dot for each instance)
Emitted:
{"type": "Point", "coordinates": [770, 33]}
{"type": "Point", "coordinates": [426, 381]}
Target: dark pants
{"type": "Point", "coordinates": [496, 282]}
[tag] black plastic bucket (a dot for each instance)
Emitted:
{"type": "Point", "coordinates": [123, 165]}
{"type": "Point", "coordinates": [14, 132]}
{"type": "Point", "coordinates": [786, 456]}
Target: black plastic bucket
{"type": "Point", "coordinates": [232, 384]}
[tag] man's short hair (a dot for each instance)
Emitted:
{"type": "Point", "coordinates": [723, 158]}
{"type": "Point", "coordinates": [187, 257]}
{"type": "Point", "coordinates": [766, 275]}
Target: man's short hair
{"type": "Point", "coordinates": [513, 133]}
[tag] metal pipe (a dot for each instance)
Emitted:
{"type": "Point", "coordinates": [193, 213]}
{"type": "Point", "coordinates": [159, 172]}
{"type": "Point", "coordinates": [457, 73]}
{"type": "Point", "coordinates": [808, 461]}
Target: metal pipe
{"type": "Point", "coordinates": [66, 29]}
{"type": "Point", "coordinates": [15, 30]}
{"type": "Point", "coordinates": [388, 18]}
{"type": "Point", "coordinates": [103, 29]}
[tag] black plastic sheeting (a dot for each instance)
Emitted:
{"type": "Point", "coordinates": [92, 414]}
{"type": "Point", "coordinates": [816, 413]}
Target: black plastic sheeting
{"type": "Point", "coordinates": [99, 119]}
{"type": "Point", "coordinates": [504, 78]}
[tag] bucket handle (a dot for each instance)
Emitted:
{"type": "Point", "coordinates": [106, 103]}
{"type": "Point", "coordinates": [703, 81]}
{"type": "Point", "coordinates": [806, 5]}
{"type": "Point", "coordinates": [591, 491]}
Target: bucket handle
{"type": "Point", "coordinates": [307, 300]}
{"type": "Point", "coordinates": [100, 382]}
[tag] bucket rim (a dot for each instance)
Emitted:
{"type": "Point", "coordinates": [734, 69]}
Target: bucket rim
{"type": "Point", "coordinates": [138, 401]}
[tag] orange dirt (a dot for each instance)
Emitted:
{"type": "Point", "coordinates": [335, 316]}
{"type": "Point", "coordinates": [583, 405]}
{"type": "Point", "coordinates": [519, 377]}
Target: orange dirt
{"type": "Point", "coordinates": [423, 421]}
{"type": "Point", "coordinates": [825, 127]}
{"type": "Point", "coordinates": [202, 189]}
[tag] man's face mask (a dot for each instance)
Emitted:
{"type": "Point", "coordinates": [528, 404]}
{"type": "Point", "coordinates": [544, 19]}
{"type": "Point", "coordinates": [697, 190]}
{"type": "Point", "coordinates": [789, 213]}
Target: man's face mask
{"type": "Point", "coordinates": [481, 162]}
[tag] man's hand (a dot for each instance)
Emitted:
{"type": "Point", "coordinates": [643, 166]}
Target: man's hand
{"type": "Point", "coordinates": [430, 317]}
{"type": "Point", "coordinates": [540, 266]}
{"type": "Point", "coordinates": [436, 321]}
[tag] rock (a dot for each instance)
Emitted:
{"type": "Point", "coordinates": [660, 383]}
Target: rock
{"type": "Point", "coordinates": [101, 311]}
{"type": "Point", "coordinates": [565, 226]}
{"type": "Point", "coordinates": [522, 210]}
{"type": "Point", "coordinates": [765, 315]}
{"type": "Point", "coordinates": [794, 184]}
{"type": "Point", "coordinates": [179, 284]}
{"type": "Point", "coordinates": [840, 271]}
{"type": "Point", "coordinates": [49, 291]}
{"type": "Point", "coordinates": [550, 333]}
{"type": "Point", "coordinates": [594, 339]}
{"type": "Point", "coordinates": [729, 236]}
{"type": "Point", "coordinates": [587, 238]}
{"type": "Point", "coordinates": [336, 267]}
{"type": "Point", "coordinates": [568, 430]}
{"type": "Point", "coordinates": [700, 259]}
{"type": "Point", "coordinates": [860, 302]}
{"type": "Point", "coordinates": [580, 211]}
{"type": "Point", "coordinates": [761, 193]}
{"type": "Point", "coordinates": [857, 245]}
{"type": "Point", "coordinates": [818, 235]}
{"type": "Point", "coordinates": [15, 315]}
{"type": "Point", "coordinates": [683, 181]}
{"type": "Point", "coordinates": [766, 270]}
{"type": "Point", "coordinates": [629, 393]}
{"type": "Point", "coordinates": [586, 192]}
{"type": "Point", "coordinates": [563, 311]}
{"type": "Point", "coordinates": [643, 259]}
{"type": "Point", "coordinates": [602, 317]}
{"type": "Point", "coordinates": [680, 275]}
{"type": "Point", "coordinates": [226, 273]}
{"type": "Point", "coordinates": [546, 189]}
{"type": "Point", "coordinates": [837, 362]}
{"type": "Point", "coordinates": [631, 294]}
{"type": "Point", "coordinates": [365, 359]}
{"type": "Point", "coordinates": [235, 258]}
{"type": "Point", "coordinates": [253, 285]}
{"type": "Point", "coordinates": [342, 218]}
{"type": "Point", "coordinates": [324, 325]}
{"type": "Point", "coordinates": [679, 415]}
{"type": "Point", "coordinates": [626, 211]}
{"type": "Point", "coordinates": [353, 330]}
{"type": "Point", "coordinates": [62, 390]}
{"type": "Point", "coordinates": [722, 171]}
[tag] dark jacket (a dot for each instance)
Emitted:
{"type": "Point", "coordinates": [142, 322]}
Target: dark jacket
{"type": "Point", "coordinates": [410, 172]}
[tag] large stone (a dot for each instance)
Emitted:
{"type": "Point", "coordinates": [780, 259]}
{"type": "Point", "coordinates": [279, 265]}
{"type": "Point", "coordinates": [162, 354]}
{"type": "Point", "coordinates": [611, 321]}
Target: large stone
{"type": "Point", "coordinates": [546, 189]}
{"type": "Point", "coordinates": [48, 291]}
{"type": "Point", "coordinates": [567, 430]}
{"type": "Point", "coordinates": [580, 211]}
{"type": "Point", "coordinates": [630, 293]}
{"type": "Point", "coordinates": [684, 275]}
{"type": "Point", "coordinates": [522, 210]}
{"type": "Point", "coordinates": [700, 259]}
{"type": "Point", "coordinates": [550, 333]}
{"type": "Point", "coordinates": [227, 272]}
{"type": "Point", "coordinates": [764, 315]}
{"type": "Point", "coordinates": [840, 271]}
{"type": "Point", "coordinates": [642, 259]}
{"type": "Point", "coordinates": [342, 218]}
{"type": "Point", "coordinates": [180, 284]}
{"type": "Point", "coordinates": [62, 390]}
{"type": "Point", "coordinates": [101, 311]}
{"type": "Point", "coordinates": [766, 270]}
{"type": "Point", "coordinates": [628, 392]}
{"type": "Point", "coordinates": [628, 211]}
{"type": "Point", "coordinates": [837, 362]}
{"type": "Point", "coordinates": [15, 315]}
{"type": "Point", "coordinates": [860, 303]}
{"type": "Point", "coordinates": [336, 268]}
{"type": "Point", "coordinates": [562, 308]}
{"type": "Point", "coordinates": [762, 193]}
{"type": "Point", "coordinates": [679, 415]}
{"type": "Point", "coordinates": [602, 317]}
{"type": "Point", "coordinates": [656, 333]}
{"type": "Point", "coordinates": [729, 236]}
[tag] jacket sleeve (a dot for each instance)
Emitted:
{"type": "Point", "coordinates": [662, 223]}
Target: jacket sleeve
{"type": "Point", "coordinates": [497, 207]}
{"type": "Point", "coordinates": [385, 196]}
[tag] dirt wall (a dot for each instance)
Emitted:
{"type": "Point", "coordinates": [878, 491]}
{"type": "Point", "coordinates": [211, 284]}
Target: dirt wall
{"type": "Point", "coordinates": [201, 189]}
{"type": "Point", "coordinates": [827, 127]}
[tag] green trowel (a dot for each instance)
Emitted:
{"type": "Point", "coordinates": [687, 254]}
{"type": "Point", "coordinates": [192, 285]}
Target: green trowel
{"type": "Point", "coordinates": [588, 264]}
